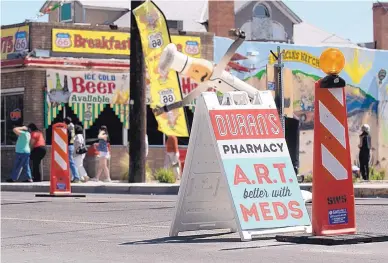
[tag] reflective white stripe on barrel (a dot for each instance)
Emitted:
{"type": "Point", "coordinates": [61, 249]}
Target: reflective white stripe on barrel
{"type": "Point", "coordinates": [337, 129]}
{"type": "Point", "coordinates": [61, 150]}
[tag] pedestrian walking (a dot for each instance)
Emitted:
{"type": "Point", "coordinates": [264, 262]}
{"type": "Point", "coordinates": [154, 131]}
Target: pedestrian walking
{"type": "Point", "coordinates": [171, 160]}
{"type": "Point", "coordinates": [22, 156]}
{"type": "Point", "coordinates": [103, 155]}
{"type": "Point", "coordinates": [364, 155]}
{"type": "Point", "coordinates": [70, 140]}
{"type": "Point", "coordinates": [38, 151]}
{"type": "Point", "coordinates": [80, 152]}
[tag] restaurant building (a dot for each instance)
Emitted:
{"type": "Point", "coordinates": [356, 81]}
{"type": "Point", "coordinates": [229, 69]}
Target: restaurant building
{"type": "Point", "coordinates": [86, 68]}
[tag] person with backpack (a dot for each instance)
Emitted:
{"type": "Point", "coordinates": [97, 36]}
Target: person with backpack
{"type": "Point", "coordinates": [80, 152]}
{"type": "Point", "coordinates": [70, 140]}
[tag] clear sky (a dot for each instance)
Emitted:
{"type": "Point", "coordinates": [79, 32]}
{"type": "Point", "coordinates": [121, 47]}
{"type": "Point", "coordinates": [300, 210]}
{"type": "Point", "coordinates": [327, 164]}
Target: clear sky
{"type": "Point", "coordinates": [351, 19]}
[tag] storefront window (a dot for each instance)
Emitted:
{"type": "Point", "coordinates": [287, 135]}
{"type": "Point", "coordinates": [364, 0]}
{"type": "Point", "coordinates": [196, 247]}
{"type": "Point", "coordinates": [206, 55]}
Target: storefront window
{"type": "Point", "coordinates": [112, 122]}
{"type": "Point", "coordinates": [155, 137]}
{"type": "Point", "coordinates": [11, 116]}
{"type": "Point", "coordinates": [66, 111]}
{"type": "Point", "coordinates": [106, 117]}
{"type": "Point", "coordinates": [66, 12]}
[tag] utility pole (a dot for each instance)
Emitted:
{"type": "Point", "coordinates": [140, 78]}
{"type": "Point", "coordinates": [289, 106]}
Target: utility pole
{"type": "Point", "coordinates": [279, 91]}
{"type": "Point", "coordinates": [138, 112]}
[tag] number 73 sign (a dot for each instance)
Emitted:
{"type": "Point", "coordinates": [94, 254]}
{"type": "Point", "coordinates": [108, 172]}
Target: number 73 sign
{"type": "Point", "coordinates": [14, 40]}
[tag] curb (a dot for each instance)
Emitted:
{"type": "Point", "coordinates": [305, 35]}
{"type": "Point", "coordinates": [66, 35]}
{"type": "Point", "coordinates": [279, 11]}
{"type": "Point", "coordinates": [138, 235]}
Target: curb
{"type": "Point", "coordinates": [360, 191]}
{"type": "Point", "coordinates": [137, 189]}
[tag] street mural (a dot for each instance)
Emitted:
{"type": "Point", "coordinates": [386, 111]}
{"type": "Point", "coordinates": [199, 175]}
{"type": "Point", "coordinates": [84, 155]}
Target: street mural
{"type": "Point", "coordinates": [365, 73]}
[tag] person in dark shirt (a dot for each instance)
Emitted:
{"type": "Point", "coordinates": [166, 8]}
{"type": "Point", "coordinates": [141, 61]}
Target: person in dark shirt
{"type": "Point", "coordinates": [364, 155]}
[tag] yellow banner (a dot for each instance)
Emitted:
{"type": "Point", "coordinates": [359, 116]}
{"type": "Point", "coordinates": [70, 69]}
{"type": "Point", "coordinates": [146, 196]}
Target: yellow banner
{"type": "Point", "coordinates": [93, 42]}
{"type": "Point", "coordinates": [191, 46]}
{"type": "Point", "coordinates": [188, 45]}
{"type": "Point", "coordinates": [164, 89]}
{"type": "Point", "coordinates": [14, 40]}
{"type": "Point", "coordinates": [297, 56]}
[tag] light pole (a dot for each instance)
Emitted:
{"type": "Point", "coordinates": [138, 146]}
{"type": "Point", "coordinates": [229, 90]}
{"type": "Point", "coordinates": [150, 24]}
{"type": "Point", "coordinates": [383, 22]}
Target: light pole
{"type": "Point", "coordinates": [138, 112]}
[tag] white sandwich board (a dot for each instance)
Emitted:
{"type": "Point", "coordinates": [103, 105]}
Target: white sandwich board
{"type": "Point", "coordinates": [238, 173]}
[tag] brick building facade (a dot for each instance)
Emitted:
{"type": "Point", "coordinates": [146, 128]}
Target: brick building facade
{"type": "Point", "coordinates": [380, 25]}
{"type": "Point", "coordinates": [21, 76]}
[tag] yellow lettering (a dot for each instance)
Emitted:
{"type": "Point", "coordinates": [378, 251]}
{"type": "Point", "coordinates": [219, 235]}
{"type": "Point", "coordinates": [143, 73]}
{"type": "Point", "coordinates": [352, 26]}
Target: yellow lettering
{"type": "Point", "coordinates": [297, 56]}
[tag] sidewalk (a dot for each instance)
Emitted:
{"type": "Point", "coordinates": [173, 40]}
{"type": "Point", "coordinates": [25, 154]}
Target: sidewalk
{"type": "Point", "coordinates": [370, 189]}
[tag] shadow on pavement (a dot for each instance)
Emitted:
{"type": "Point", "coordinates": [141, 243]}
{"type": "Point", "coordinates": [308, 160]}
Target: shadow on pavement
{"type": "Point", "coordinates": [255, 247]}
{"type": "Point", "coordinates": [23, 203]}
{"type": "Point", "coordinates": [205, 238]}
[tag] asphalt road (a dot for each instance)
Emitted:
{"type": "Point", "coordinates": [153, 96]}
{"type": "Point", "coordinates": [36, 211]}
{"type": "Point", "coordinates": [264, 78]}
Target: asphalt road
{"type": "Point", "coordinates": [120, 228]}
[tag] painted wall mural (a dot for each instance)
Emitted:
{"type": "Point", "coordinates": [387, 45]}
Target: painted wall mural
{"type": "Point", "coordinates": [365, 73]}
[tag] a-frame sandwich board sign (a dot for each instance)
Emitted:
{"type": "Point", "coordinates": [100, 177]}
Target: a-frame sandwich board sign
{"type": "Point", "coordinates": [238, 173]}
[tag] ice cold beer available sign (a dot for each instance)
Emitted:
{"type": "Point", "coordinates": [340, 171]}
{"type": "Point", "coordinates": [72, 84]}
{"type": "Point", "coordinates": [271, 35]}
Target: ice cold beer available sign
{"type": "Point", "coordinates": [259, 171]}
{"type": "Point", "coordinates": [87, 87]}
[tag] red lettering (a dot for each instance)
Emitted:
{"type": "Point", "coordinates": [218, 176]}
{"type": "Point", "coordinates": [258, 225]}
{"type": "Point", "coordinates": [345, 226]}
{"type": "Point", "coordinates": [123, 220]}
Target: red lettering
{"type": "Point", "coordinates": [91, 43]}
{"type": "Point", "coordinates": [7, 44]}
{"type": "Point", "coordinates": [101, 43]}
{"type": "Point", "coordinates": [111, 87]}
{"type": "Point", "coordinates": [248, 124]}
{"type": "Point", "coordinates": [78, 85]}
{"type": "Point", "coordinates": [239, 176]}
{"type": "Point", "coordinates": [101, 88]}
{"type": "Point", "coordinates": [90, 87]}
{"type": "Point", "coordinates": [111, 40]}
{"type": "Point", "coordinates": [280, 167]}
{"type": "Point", "coordinates": [293, 206]}
{"type": "Point", "coordinates": [249, 212]}
{"type": "Point", "coordinates": [15, 114]}
{"type": "Point", "coordinates": [280, 211]}
{"type": "Point", "coordinates": [265, 211]}
{"type": "Point", "coordinates": [242, 124]}
{"type": "Point", "coordinates": [276, 206]}
{"type": "Point", "coordinates": [186, 85]}
{"type": "Point", "coordinates": [262, 173]}
{"type": "Point", "coordinates": [79, 41]}
{"type": "Point", "coordinates": [273, 121]}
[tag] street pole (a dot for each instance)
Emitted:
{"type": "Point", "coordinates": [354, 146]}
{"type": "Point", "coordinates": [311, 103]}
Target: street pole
{"type": "Point", "coordinates": [279, 91]}
{"type": "Point", "coordinates": [138, 113]}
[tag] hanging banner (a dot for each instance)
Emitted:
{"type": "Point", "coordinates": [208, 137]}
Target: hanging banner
{"type": "Point", "coordinates": [14, 40]}
{"type": "Point", "coordinates": [87, 93]}
{"type": "Point", "coordinates": [122, 111]}
{"type": "Point", "coordinates": [51, 111]}
{"type": "Point", "coordinates": [87, 113]}
{"type": "Point", "coordinates": [87, 87]}
{"type": "Point", "coordinates": [190, 46]}
{"type": "Point", "coordinates": [165, 89]}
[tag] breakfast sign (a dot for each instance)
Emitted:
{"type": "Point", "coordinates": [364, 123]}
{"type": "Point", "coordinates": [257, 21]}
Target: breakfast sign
{"type": "Point", "coordinates": [111, 43]}
{"type": "Point", "coordinates": [89, 87]}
